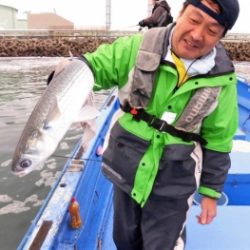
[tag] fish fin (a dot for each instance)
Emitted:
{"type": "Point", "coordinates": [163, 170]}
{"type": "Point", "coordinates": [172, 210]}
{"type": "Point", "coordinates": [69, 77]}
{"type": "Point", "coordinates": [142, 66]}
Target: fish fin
{"type": "Point", "coordinates": [89, 128]}
{"type": "Point", "coordinates": [61, 65]}
{"type": "Point", "coordinates": [114, 119]}
{"type": "Point", "coordinates": [71, 54]}
{"type": "Point", "coordinates": [87, 113]}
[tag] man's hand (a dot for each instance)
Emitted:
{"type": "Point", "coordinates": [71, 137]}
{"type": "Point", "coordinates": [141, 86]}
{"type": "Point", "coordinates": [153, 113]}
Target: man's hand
{"type": "Point", "coordinates": [142, 24]}
{"type": "Point", "coordinates": [208, 210]}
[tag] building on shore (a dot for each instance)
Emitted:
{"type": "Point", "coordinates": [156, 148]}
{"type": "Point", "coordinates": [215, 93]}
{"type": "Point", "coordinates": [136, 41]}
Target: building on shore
{"type": "Point", "coordinates": [8, 18]}
{"type": "Point", "coordinates": [50, 21]}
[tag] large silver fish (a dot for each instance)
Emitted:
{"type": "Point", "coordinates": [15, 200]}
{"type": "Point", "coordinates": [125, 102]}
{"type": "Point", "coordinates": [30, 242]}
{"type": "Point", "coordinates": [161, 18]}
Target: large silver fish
{"type": "Point", "coordinates": [65, 100]}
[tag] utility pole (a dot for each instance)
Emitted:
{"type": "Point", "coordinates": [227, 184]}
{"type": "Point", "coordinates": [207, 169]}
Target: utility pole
{"type": "Point", "coordinates": [108, 14]}
{"type": "Point", "coordinates": [149, 7]}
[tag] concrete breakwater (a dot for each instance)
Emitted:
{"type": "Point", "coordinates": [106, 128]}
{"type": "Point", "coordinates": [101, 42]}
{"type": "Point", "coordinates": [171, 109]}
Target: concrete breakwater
{"type": "Point", "coordinates": [61, 46]}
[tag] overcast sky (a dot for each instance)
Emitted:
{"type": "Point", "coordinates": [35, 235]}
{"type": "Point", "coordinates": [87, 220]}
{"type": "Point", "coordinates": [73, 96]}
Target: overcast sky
{"type": "Point", "coordinates": [125, 13]}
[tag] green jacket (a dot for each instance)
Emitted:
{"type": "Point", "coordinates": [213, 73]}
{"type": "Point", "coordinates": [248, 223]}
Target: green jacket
{"type": "Point", "coordinates": [142, 160]}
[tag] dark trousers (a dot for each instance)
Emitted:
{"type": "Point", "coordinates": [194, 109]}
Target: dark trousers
{"type": "Point", "coordinates": [156, 226]}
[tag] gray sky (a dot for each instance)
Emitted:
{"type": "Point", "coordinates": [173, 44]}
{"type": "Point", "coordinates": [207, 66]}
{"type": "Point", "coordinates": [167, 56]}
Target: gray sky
{"type": "Point", "coordinates": [125, 13]}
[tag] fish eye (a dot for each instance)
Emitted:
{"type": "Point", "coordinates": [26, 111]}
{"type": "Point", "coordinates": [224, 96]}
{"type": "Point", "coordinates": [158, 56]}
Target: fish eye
{"type": "Point", "coordinates": [25, 163]}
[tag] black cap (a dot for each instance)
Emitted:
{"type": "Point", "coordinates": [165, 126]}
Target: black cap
{"type": "Point", "coordinates": [229, 11]}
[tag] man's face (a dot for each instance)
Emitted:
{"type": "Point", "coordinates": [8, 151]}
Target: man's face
{"type": "Point", "coordinates": [196, 33]}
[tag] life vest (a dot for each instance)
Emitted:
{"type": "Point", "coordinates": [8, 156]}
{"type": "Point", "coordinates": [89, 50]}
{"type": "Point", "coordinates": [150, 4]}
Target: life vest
{"type": "Point", "coordinates": [187, 127]}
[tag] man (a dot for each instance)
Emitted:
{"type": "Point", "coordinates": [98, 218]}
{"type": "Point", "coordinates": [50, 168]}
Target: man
{"type": "Point", "coordinates": [160, 16]}
{"type": "Point", "coordinates": [177, 88]}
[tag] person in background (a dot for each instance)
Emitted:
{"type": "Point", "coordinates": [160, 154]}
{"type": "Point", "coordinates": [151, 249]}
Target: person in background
{"type": "Point", "coordinates": [178, 94]}
{"type": "Point", "coordinates": [160, 16]}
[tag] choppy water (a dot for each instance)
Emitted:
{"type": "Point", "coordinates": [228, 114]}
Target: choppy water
{"type": "Point", "coordinates": [22, 81]}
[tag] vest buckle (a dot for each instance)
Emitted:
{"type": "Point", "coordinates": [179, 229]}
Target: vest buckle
{"type": "Point", "coordinates": [133, 111]}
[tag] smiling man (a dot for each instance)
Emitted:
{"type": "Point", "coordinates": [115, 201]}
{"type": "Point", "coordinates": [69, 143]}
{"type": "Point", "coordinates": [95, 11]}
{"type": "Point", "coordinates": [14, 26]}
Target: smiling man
{"type": "Point", "coordinates": [177, 88]}
{"type": "Point", "coordinates": [196, 32]}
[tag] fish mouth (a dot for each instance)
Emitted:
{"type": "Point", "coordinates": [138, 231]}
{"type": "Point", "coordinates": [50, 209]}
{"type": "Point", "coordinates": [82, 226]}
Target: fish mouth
{"type": "Point", "coordinates": [20, 173]}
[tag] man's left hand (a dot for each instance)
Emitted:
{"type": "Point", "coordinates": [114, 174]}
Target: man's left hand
{"type": "Point", "coordinates": [208, 210]}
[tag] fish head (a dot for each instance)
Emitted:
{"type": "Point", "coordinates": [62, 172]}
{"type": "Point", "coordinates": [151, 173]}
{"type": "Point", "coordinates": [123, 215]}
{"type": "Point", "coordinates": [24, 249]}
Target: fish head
{"type": "Point", "coordinates": [26, 164]}
{"type": "Point", "coordinates": [33, 155]}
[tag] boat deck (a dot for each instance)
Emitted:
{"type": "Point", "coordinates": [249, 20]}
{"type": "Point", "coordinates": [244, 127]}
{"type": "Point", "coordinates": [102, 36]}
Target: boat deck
{"type": "Point", "coordinates": [228, 231]}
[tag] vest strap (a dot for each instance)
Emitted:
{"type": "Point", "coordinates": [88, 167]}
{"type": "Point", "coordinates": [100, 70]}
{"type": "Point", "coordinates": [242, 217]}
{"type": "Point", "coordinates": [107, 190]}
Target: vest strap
{"type": "Point", "coordinates": [161, 125]}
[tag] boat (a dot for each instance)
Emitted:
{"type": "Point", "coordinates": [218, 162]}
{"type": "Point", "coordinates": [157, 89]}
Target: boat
{"type": "Point", "coordinates": [82, 178]}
